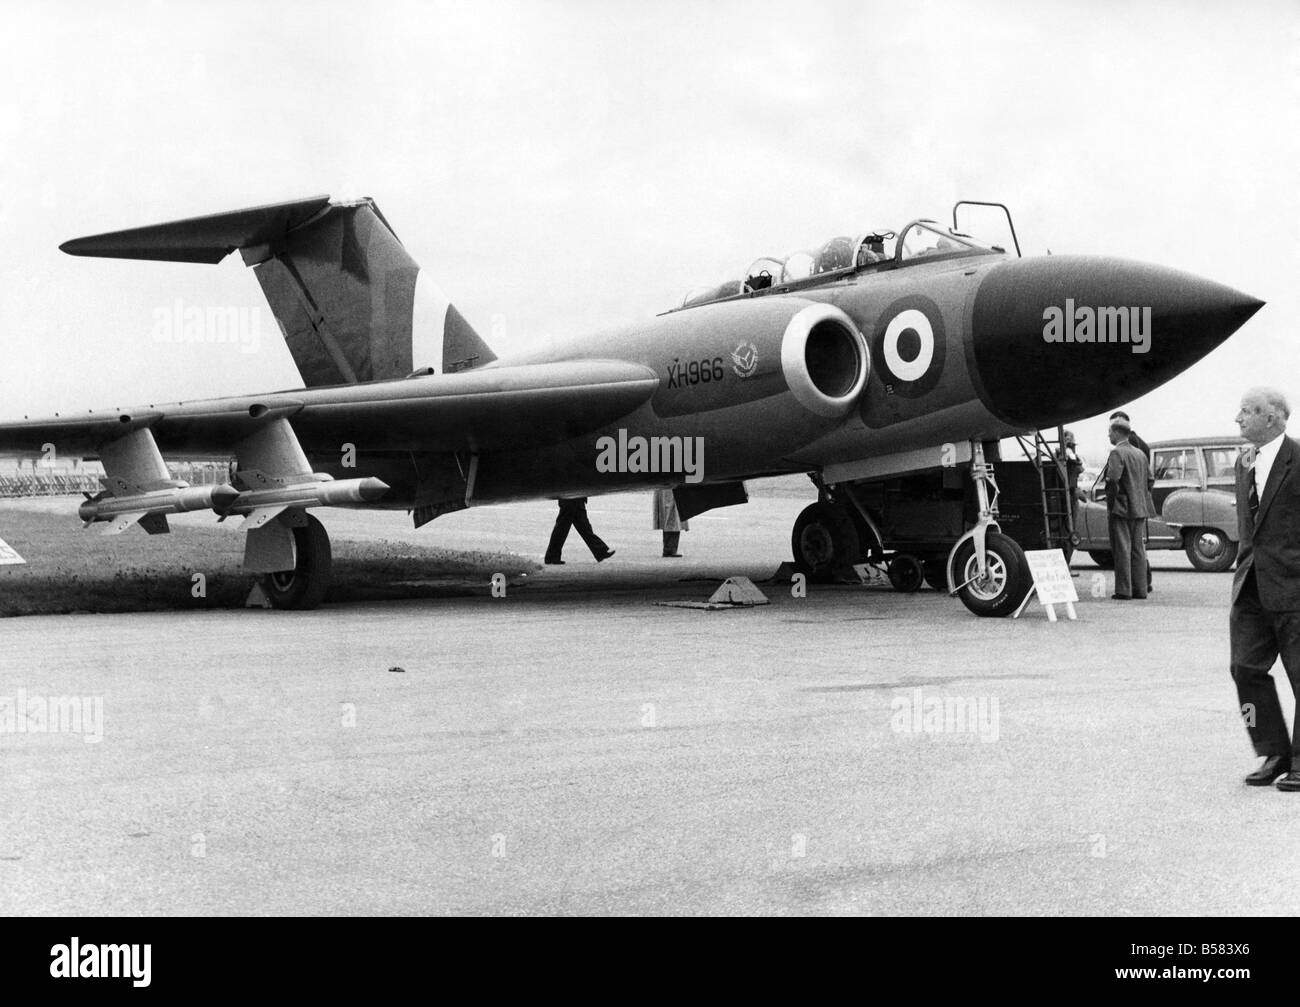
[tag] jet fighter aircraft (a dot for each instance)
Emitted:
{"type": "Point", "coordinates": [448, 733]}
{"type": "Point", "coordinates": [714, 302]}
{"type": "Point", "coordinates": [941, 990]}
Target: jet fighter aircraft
{"type": "Point", "coordinates": [864, 357]}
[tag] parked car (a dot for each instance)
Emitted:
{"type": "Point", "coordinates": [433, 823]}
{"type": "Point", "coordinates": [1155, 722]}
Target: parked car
{"type": "Point", "coordinates": [1195, 492]}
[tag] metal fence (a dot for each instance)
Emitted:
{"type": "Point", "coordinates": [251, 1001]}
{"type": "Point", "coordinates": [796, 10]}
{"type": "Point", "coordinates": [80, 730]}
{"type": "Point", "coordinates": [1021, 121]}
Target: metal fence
{"type": "Point", "coordinates": [53, 484]}
{"type": "Point", "coordinates": [42, 484]}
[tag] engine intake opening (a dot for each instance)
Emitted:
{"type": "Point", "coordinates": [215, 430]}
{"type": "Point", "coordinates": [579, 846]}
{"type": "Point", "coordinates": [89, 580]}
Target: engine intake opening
{"type": "Point", "coordinates": [824, 360]}
{"type": "Point", "coordinates": [831, 356]}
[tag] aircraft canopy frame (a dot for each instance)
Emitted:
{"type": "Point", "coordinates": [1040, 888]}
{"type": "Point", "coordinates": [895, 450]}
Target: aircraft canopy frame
{"type": "Point", "coordinates": [841, 257]}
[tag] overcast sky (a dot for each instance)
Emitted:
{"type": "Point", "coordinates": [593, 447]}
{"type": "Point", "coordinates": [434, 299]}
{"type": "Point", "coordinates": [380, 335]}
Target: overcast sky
{"type": "Point", "coordinates": [559, 167]}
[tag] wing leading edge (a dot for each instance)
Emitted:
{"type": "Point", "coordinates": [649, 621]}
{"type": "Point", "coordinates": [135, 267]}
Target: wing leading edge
{"type": "Point", "coordinates": [492, 408]}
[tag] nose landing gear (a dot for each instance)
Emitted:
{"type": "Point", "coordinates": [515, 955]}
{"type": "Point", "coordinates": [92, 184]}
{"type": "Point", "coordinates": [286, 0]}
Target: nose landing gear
{"type": "Point", "coordinates": [986, 569]}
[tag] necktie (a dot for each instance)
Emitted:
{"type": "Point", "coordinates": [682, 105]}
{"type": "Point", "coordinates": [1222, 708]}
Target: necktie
{"type": "Point", "coordinates": [1254, 493]}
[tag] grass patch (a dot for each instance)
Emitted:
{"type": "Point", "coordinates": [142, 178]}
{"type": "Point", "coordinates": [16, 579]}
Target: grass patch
{"type": "Point", "coordinates": [69, 570]}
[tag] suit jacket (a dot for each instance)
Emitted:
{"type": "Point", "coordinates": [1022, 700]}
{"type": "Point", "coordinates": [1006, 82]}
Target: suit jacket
{"type": "Point", "coordinates": [1128, 483]}
{"type": "Point", "coordinates": [1140, 444]}
{"type": "Point", "coordinates": [1270, 544]}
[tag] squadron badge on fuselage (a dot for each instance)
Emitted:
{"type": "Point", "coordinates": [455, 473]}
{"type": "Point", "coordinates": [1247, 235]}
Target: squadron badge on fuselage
{"type": "Point", "coordinates": [744, 360]}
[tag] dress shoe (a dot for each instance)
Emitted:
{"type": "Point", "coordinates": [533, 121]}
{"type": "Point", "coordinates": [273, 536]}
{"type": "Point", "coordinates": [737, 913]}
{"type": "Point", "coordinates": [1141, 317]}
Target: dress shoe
{"type": "Point", "coordinates": [672, 555]}
{"type": "Point", "coordinates": [1269, 770]}
{"type": "Point", "coordinates": [601, 559]}
{"type": "Point", "coordinates": [1121, 597]}
{"type": "Point", "coordinates": [553, 562]}
{"type": "Point", "coordinates": [1289, 782]}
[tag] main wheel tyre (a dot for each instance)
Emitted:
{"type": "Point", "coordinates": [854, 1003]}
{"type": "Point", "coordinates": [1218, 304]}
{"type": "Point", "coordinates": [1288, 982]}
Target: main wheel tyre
{"type": "Point", "coordinates": [1210, 550]}
{"type": "Point", "coordinates": [905, 573]}
{"type": "Point", "coordinates": [1104, 558]}
{"type": "Point", "coordinates": [304, 586]}
{"type": "Point", "coordinates": [1004, 585]}
{"type": "Point", "coordinates": [824, 539]}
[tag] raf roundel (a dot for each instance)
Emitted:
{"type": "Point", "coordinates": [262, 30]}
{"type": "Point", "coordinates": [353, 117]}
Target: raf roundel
{"type": "Point", "coordinates": [909, 346]}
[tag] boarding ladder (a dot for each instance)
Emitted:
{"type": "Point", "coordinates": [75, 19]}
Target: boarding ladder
{"type": "Point", "coordinates": [1048, 456]}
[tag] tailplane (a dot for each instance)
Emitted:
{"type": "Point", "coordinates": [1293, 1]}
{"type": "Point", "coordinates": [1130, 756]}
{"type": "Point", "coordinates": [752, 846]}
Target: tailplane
{"type": "Point", "coordinates": [352, 303]}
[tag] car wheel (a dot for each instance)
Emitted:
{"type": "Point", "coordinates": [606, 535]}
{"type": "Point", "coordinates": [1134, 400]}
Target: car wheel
{"type": "Point", "coordinates": [1209, 549]}
{"type": "Point", "coordinates": [1104, 558]}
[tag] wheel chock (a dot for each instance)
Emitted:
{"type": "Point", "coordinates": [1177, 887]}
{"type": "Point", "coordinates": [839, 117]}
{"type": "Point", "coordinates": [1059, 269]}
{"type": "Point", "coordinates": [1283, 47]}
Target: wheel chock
{"type": "Point", "coordinates": [257, 597]}
{"type": "Point", "coordinates": [734, 592]}
{"type": "Point", "coordinates": [783, 573]}
{"type": "Point", "coordinates": [868, 575]}
{"type": "Point", "coordinates": [738, 591]}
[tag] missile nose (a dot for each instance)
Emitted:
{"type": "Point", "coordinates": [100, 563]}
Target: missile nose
{"type": "Point", "coordinates": [372, 488]}
{"type": "Point", "coordinates": [1059, 338]}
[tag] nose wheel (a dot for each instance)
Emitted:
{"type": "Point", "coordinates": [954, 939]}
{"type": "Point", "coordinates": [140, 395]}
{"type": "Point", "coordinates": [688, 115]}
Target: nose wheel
{"type": "Point", "coordinates": [1002, 584]}
{"type": "Point", "coordinates": [986, 569]}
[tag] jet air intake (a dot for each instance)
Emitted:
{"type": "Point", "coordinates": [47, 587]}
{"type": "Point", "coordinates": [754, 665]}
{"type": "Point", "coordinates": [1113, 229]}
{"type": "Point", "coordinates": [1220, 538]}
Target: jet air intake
{"type": "Point", "coordinates": [824, 360]}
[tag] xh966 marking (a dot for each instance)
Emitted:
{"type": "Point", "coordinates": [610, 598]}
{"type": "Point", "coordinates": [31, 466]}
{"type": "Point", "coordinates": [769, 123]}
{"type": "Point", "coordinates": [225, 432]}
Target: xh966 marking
{"type": "Point", "coordinates": [694, 372]}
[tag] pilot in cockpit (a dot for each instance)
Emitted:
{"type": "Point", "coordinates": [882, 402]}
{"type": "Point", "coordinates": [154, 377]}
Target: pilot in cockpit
{"type": "Point", "coordinates": [871, 250]}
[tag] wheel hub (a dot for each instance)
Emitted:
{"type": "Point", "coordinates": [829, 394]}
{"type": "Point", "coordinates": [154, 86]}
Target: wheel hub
{"type": "Point", "coordinates": [994, 581]}
{"type": "Point", "coordinates": [816, 544]}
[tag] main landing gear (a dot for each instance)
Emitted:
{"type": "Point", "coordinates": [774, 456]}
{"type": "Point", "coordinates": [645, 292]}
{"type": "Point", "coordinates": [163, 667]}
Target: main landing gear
{"type": "Point", "coordinates": [825, 539]}
{"type": "Point", "coordinates": [303, 585]}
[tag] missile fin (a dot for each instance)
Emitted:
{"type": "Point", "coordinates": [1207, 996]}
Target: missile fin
{"type": "Point", "coordinates": [155, 524]}
{"type": "Point", "coordinates": [262, 516]}
{"type": "Point", "coordinates": [121, 523]}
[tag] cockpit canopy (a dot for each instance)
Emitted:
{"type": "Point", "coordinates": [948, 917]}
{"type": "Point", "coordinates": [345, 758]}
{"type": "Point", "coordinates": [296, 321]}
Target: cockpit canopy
{"type": "Point", "coordinates": [873, 251]}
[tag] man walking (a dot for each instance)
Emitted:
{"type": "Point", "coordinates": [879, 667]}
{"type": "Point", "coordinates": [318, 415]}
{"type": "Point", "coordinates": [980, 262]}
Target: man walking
{"type": "Point", "coordinates": [1264, 621]}
{"type": "Point", "coordinates": [1128, 505]}
{"type": "Point", "coordinates": [573, 514]}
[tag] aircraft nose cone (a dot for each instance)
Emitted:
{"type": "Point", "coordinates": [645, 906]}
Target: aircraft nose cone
{"type": "Point", "coordinates": [1059, 338]}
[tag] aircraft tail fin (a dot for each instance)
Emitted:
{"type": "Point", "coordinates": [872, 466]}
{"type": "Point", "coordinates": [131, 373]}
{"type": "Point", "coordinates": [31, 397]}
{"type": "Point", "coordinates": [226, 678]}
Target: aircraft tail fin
{"type": "Point", "coordinates": [352, 303]}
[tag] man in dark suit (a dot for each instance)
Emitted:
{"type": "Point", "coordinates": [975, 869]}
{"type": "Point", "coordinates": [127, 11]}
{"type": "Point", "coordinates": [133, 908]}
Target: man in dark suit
{"type": "Point", "coordinates": [1133, 437]}
{"type": "Point", "coordinates": [1128, 506]}
{"type": "Point", "coordinates": [573, 514]}
{"type": "Point", "coordinates": [1264, 621]}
